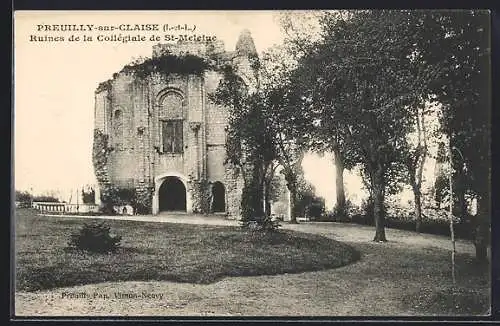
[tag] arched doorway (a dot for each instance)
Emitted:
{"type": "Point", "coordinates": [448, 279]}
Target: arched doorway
{"type": "Point", "coordinates": [172, 195]}
{"type": "Point", "coordinates": [218, 197]}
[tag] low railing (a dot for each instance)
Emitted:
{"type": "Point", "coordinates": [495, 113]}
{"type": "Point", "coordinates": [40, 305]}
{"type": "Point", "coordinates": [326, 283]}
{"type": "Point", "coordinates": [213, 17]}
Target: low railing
{"type": "Point", "coordinates": [48, 207]}
{"type": "Point", "coordinates": [64, 208]}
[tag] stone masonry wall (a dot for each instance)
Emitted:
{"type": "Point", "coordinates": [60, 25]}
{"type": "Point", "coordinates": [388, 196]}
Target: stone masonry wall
{"type": "Point", "coordinates": [135, 135]}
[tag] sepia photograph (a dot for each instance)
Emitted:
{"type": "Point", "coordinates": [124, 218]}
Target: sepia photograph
{"type": "Point", "coordinates": [281, 163]}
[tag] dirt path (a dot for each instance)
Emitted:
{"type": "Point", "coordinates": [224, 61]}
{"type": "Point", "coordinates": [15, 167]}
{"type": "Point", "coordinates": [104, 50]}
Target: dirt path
{"type": "Point", "coordinates": [339, 231]}
{"type": "Point", "coordinates": [372, 286]}
{"type": "Point", "coordinates": [364, 234]}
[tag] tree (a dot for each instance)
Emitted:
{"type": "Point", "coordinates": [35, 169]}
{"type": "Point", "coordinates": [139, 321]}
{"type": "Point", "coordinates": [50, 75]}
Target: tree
{"type": "Point", "coordinates": [275, 188]}
{"type": "Point", "coordinates": [301, 29]}
{"type": "Point", "coordinates": [271, 187]}
{"type": "Point", "coordinates": [415, 154]}
{"type": "Point", "coordinates": [307, 204]}
{"type": "Point", "coordinates": [263, 129]}
{"type": "Point", "coordinates": [459, 50]}
{"type": "Point", "coordinates": [23, 196]}
{"type": "Point", "coordinates": [302, 34]}
{"type": "Point", "coordinates": [365, 85]}
{"type": "Point", "coordinates": [440, 182]}
{"type": "Point", "coordinates": [416, 166]}
{"type": "Point", "coordinates": [249, 146]}
{"type": "Point", "coordinates": [283, 114]}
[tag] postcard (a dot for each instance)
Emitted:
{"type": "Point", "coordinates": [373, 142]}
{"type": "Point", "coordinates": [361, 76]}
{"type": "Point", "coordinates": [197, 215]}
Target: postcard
{"type": "Point", "coordinates": [251, 163]}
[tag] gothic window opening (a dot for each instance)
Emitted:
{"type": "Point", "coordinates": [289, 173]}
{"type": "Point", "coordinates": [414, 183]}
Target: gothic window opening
{"type": "Point", "coordinates": [172, 136]}
{"type": "Point", "coordinates": [171, 122]}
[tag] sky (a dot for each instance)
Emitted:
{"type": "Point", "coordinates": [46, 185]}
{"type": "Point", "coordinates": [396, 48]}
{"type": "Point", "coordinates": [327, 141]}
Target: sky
{"type": "Point", "coordinates": [55, 82]}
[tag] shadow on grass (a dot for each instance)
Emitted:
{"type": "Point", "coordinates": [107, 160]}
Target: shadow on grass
{"type": "Point", "coordinates": [165, 252]}
{"type": "Point", "coordinates": [449, 301]}
{"type": "Point", "coordinates": [419, 280]}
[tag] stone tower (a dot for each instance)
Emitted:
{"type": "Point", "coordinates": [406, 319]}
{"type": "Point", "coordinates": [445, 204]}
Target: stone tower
{"type": "Point", "coordinates": [160, 135]}
{"type": "Point", "coordinates": [246, 60]}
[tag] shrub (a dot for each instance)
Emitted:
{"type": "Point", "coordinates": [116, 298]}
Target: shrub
{"type": "Point", "coordinates": [23, 196]}
{"type": "Point", "coordinates": [352, 208]}
{"type": "Point", "coordinates": [400, 212]}
{"type": "Point", "coordinates": [107, 208]}
{"type": "Point", "coordinates": [363, 219]}
{"type": "Point", "coordinates": [367, 207]}
{"type": "Point", "coordinates": [88, 197]}
{"type": "Point", "coordinates": [115, 196]}
{"type": "Point", "coordinates": [46, 199]}
{"type": "Point", "coordinates": [333, 216]}
{"type": "Point", "coordinates": [462, 230]}
{"type": "Point", "coordinates": [265, 224]}
{"type": "Point", "coordinates": [168, 64]}
{"type": "Point", "coordinates": [326, 217]}
{"type": "Point", "coordinates": [143, 205]}
{"type": "Point", "coordinates": [95, 237]}
{"type": "Point", "coordinates": [125, 196]}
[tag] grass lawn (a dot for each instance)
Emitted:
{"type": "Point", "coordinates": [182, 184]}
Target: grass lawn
{"type": "Point", "coordinates": [407, 276]}
{"type": "Point", "coordinates": [420, 280]}
{"type": "Point", "coordinates": [163, 252]}
{"type": "Point", "coordinates": [410, 274]}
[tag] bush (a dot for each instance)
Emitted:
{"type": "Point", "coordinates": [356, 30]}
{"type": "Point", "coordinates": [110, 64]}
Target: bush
{"type": "Point", "coordinates": [363, 219]}
{"type": "Point", "coordinates": [143, 200]}
{"type": "Point", "coordinates": [463, 230]}
{"type": "Point", "coordinates": [326, 217]}
{"type": "Point", "coordinates": [24, 204]}
{"type": "Point", "coordinates": [23, 196]}
{"type": "Point", "coordinates": [352, 208]}
{"type": "Point", "coordinates": [333, 216]}
{"type": "Point", "coordinates": [95, 237]}
{"type": "Point", "coordinates": [46, 199]}
{"type": "Point", "coordinates": [88, 197]}
{"type": "Point", "coordinates": [340, 213]}
{"type": "Point", "coordinates": [265, 224]}
{"type": "Point", "coordinates": [253, 217]}
{"type": "Point", "coordinates": [125, 196]}
{"type": "Point", "coordinates": [367, 207]}
{"type": "Point", "coordinates": [401, 212]}
{"type": "Point", "coordinates": [142, 208]}
{"type": "Point", "coordinates": [140, 200]}
{"type": "Point", "coordinates": [107, 208]}
{"type": "Point", "coordinates": [402, 218]}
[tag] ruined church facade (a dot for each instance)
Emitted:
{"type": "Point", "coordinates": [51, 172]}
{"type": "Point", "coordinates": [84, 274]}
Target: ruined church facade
{"type": "Point", "coordinates": [167, 139]}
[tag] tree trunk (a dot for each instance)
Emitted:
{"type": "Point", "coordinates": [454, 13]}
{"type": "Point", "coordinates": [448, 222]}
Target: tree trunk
{"type": "Point", "coordinates": [293, 201]}
{"type": "Point", "coordinates": [459, 187]}
{"type": "Point", "coordinates": [481, 239]}
{"type": "Point", "coordinates": [378, 207]}
{"type": "Point", "coordinates": [264, 197]}
{"type": "Point", "coordinates": [267, 199]}
{"type": "Point", "coordinates": [421, 155]}
{"type": "Point", "coordinates": [340, 206]}
{"type": "Point", "coordinates": [291, 184]}
{"type": "Point", "coordinates": [460, 205]}
{"type": "Point", "coordinates": [418, 208]}
{"type": "Point", "coordinates": [252, 197]}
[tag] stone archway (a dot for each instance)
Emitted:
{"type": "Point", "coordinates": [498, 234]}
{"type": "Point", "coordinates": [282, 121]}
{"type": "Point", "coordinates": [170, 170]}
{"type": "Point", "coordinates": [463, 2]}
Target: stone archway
{"type": "Point", "coordinates": [218, 197]}
{"type": "Point", "coordinates": [159, 181]}
{"type": "Point", "coordinates": [172, 195]}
